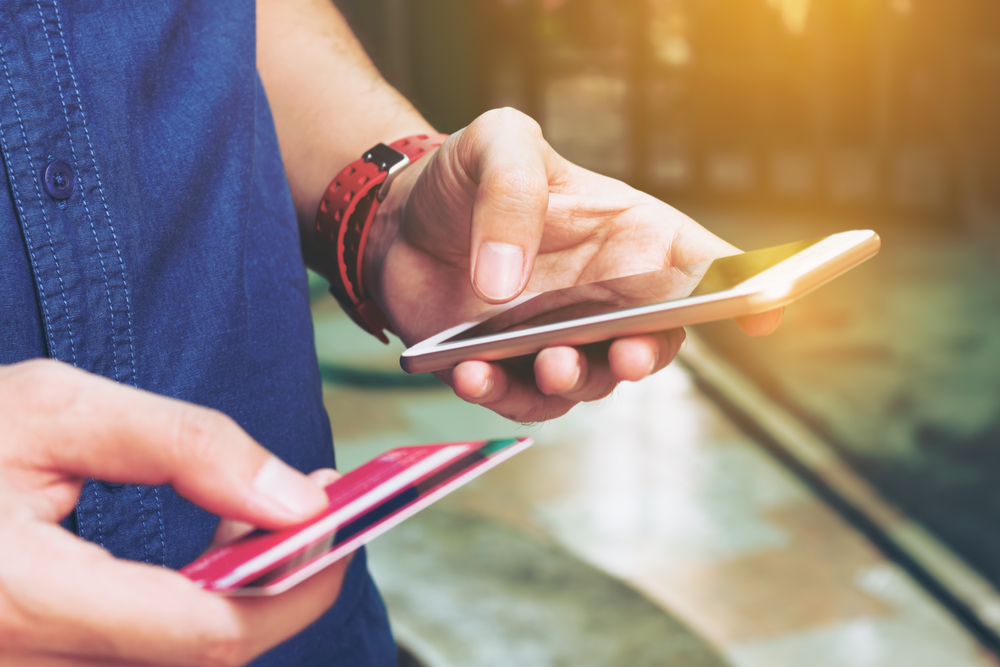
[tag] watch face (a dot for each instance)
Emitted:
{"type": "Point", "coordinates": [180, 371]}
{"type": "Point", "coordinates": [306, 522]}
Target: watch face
{"type": "Point", "coordinates": [384, 157]}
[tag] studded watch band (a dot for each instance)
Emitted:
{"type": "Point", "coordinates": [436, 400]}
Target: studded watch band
{"type": "Point", "coordinates": [344, 220]}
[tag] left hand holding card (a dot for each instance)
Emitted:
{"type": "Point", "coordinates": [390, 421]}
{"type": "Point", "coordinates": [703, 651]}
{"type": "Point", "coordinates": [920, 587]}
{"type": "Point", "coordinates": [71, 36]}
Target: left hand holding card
{"type": "Point", "coordinates": [68, 602]}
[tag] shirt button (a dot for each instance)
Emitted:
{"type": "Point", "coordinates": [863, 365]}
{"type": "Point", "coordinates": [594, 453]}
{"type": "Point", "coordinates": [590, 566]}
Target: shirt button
{"type": "Point", "coordinates": [58, 180]}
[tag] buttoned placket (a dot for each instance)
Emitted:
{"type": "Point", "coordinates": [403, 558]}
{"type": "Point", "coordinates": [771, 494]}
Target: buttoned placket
{"type": "Point", "coordinates": [81, 279]}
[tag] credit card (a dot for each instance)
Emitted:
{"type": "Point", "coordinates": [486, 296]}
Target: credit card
{"type": "Point", "coordinates": [364, 503]}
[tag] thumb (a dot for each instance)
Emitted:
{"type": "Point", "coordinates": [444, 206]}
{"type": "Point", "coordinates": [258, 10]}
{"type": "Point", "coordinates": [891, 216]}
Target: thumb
{"type": "Point", "coordinates": [228, 529]}
{"type": "Point", "coordinates": [504, 153]}
{"type": "Point", "coordinates": [82, 425]}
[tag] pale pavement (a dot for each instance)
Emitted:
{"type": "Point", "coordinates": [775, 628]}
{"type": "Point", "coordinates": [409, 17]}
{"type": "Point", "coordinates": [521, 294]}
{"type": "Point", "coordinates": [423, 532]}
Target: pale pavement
{"type": "Point", "coordinates": [654, 488]}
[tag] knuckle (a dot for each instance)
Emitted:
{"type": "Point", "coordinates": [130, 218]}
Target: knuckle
{"type": "Point", "coordinates": [501, 121]}
{"type": "Point", "coordinates": [545, 413]}
{"type": "Point", "coordinates": [19, 625]}
{"type": "Point", "coordinates": [13, 633]}
{"type": "Point", "coordinates": [43, 386]}
{"type": "Point", "coordinates": [539, 411]}
{"type": "Point", "coordinates": [230, 650]}
{"type": "Point", "coordinates": [601, 392]}
{"type": "Point", "coordinates": [510, 117]}
{"type": "Point", "coordinates": [227, 654]}
{"type": "Point", "coordinates": [198, 430]}
{"type": "Point", "coordinates": [515, 185]}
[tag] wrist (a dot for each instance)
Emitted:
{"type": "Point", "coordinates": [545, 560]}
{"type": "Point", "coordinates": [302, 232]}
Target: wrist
{"type": "Point", "coordinates": [346, 216]}
{"type": "Point", "coordinates": [313, 170]}
{"type": "Point", "coordinates": [386, 226]}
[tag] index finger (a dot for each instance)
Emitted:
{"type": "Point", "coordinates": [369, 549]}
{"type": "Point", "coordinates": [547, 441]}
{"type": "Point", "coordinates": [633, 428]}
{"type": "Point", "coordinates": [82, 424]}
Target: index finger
{"type": "Point", "coordinates": [73, 423]}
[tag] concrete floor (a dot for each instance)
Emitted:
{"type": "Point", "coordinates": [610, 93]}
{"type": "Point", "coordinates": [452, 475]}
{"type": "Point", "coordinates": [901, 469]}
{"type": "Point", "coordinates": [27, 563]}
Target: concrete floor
{"type": "Point", "coordinates": [644, 529]}
{"type": "Point", "coordinates": [898, 364]}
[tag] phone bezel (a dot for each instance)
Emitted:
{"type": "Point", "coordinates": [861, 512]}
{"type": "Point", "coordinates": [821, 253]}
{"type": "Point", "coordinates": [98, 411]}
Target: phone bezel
{"type": "Point", "coordinates": [777, 286]}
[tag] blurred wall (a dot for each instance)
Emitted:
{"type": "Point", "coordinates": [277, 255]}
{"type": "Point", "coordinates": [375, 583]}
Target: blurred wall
{"type": "Point", "coordinates": [426, 49]}
{"type": "Point", "coordinates": [881, 106]}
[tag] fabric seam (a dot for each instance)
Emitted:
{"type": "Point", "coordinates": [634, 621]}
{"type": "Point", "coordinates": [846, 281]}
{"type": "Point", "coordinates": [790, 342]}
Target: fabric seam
{"type": "Point", "coordinates": [50, 336]}
{"type": "Point", "coordinates": [83, 196]}
{"type": "Point", "coordinates": [100, 190]}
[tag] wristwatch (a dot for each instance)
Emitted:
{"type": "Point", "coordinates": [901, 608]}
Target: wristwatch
{"type": "Point", "coordinates": [345, 217]}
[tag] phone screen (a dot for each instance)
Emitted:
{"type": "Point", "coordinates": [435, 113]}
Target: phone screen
{"type": "Point", "coordinates": [643, 289]}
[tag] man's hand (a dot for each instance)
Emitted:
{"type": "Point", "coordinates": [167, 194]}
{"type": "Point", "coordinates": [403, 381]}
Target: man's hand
{"type": "Point", "coordinates": [495, 211]}
{"type": "Point", "coordinates": [64, 601]}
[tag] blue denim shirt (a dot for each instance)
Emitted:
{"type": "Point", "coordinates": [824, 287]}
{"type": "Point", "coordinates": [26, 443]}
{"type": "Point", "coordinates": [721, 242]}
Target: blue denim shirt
{"type": "Point", "coordinates": [173, 264]}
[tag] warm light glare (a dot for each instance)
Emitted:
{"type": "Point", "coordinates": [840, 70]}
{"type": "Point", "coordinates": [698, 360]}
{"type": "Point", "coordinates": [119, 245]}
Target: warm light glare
{"type": "Point", "coordinates": [794, 13]}
{"type": "Point", "coordinates": [669, 30]}
{"type": "Point", "coordinates": [901, 6]}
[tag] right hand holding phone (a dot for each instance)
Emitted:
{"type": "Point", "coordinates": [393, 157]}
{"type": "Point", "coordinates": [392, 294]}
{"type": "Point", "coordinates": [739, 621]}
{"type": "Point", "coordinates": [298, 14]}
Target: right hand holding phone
{"type": "Point", "coordinates": [496, 211]}
{"type": "Point", "coordinates": [64, 601]}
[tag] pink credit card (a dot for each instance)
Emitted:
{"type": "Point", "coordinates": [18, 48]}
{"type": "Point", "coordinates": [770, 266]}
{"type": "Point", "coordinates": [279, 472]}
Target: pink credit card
{"type": "Point", "coordinates": [364, 503]}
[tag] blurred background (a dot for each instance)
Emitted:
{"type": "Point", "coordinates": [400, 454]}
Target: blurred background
{"type": "Point", "coordinates": [827, 495]}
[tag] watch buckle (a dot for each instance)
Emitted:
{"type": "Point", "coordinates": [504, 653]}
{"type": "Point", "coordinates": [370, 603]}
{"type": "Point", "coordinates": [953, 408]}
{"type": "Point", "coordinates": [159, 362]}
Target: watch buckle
{"type": "Point", "coordinates": [389, 160]}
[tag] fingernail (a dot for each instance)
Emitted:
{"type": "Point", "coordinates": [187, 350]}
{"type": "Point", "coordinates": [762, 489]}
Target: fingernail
{"type": "Point", "coordinates": [652, 363]}
{"type": "Point", "coordinates": [576, 379]}
{"type": "Point", "coordinates": [498, 270]}
{"type": "Point", "coordinates": [288, 491]}
{"type": "Point", "coordinates": [484, 389]}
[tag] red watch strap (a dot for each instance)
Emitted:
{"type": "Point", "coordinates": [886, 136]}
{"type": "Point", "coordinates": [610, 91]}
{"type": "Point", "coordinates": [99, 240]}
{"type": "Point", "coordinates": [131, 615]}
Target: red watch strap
{"type": "Point", "coordinates": [343, 222]}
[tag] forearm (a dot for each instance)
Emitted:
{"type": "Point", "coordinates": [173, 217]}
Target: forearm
{"type": "Point", "coordinates": [329, 101]}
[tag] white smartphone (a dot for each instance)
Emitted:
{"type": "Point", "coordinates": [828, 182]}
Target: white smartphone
{"type": "Point", "coordinates": [727, 287]}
